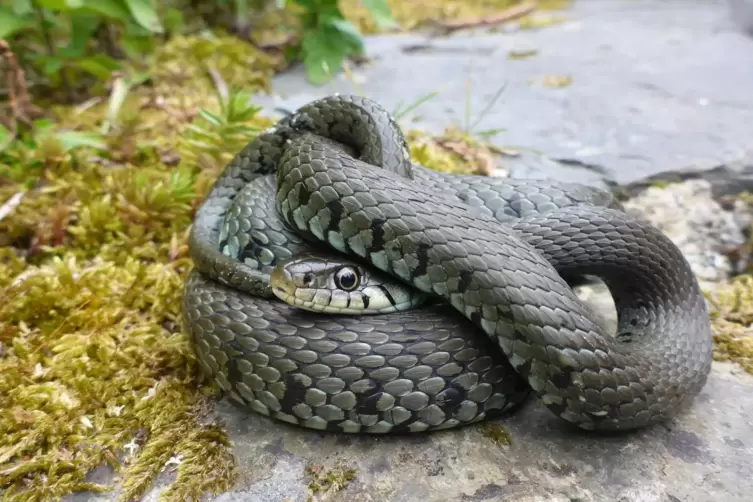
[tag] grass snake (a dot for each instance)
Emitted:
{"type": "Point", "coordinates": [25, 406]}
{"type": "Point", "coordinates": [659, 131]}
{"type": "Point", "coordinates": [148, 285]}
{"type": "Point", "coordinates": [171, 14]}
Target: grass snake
{"type": "Point", "coordinates": [493, 256]}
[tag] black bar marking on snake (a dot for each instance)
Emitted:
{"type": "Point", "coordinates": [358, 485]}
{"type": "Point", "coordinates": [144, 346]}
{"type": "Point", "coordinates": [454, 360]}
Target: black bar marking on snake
{"type": "Point", "coordinates": [450, 399]}
{"type": "Point", "coordinates": [372, 395]}
{"type": "Point", "coordinates": [465, 280]}
{"type": "Point", "coordinates": [337, 210]}
{"type": "Point", "coordinates": [476, 318]}
{"type": "Point", "coordinates": [387, 294]}
{"type": "Point", "coordinates": [347, 304]}
{"type": "Point", "coordinates": [366, 300]}
{"type": "Point", "coordinates": [295, 393]}
{"type": "Point", "coordinates": [377, 233]}
{"type": "Point", "coordinates": [303, 195]}
{"type": "Point", "coordinates": [422, 255]}
{"type": "Point", "coordinates": [524, 369]}
{"type": "Point", "coordinates": [564, 379]}
{"type": "Point", "coordinates": [233, 371]}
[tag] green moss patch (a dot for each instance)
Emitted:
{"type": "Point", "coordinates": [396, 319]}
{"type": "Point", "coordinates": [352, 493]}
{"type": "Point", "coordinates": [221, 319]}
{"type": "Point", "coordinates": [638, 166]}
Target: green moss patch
{"type": "Point", "coordinates": [732, 318]}
{"type": "Point", "coordinates": [324, 482]}
{"type": "Point", "coordinates": [415, 14]}
{"type": "Point", "coordinates": [496, 434]}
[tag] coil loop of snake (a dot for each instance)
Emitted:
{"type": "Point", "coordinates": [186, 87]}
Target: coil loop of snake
{"type": "Point", "coordinates": [493, 317]}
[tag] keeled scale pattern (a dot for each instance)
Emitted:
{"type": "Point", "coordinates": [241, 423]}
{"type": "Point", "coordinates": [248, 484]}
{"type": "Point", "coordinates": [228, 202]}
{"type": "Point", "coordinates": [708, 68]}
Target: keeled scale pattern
{"type": "Point", "coordinates": [509, 290]}
{"type": "Point", "coordinates": [410, 372]}
{"type": "Point", "coordinates": [350, 120]}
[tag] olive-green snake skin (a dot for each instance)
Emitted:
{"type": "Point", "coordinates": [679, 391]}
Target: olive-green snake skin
{"type": "Point", "coordinates": [492, 253]}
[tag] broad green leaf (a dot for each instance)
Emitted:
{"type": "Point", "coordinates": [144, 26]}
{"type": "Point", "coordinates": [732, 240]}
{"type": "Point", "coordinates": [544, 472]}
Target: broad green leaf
{"type": "Point", "coordinates": [82, 28]}
{"type": "Point", "coordinates": [349, 33]}
{"type": "Point", "coordinates": [380, 11]}
{"type": "Point", "coordinates": [323, 54]}
{"type": "Point", "coordinates": [22, 7]}
{"type": "Point", "coordinates": [11, 23]}
{"type": "Point", "coordinates": [52, 65]}
{"type": "Point", "coordinates": [112, 9]}
{"type": "Point", "coordinates": [62, 5]}
{"type": "Point", "coordinates": [100, 66]}
{"type": "Point", "coordinates": [144, 14]}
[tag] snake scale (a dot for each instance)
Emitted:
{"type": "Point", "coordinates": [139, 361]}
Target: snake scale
{"type": "Point", "coordinates": [494, 255]}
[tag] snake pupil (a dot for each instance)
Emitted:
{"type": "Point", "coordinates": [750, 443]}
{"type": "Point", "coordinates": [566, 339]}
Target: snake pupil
{"type": "Point", "coordinates": [346, 279]}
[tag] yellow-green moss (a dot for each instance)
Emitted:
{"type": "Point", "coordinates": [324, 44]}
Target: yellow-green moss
{"type": "Point", "coordinates": [324, 481]}
{"type": "Point", "coordinates": [414, 14]}
{"type": "Point", "coordinates": [732, 318]}
{"type": "Point", "coordinates": [452, 152]}
{"type": "Point", "coordinates": [94, 366]}
{"type": "Point", "coordinates": [496, 434]}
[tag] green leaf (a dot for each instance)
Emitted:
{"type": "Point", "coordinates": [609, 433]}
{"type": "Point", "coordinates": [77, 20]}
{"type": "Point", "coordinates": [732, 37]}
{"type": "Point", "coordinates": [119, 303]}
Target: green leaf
{"type": "Point", "coordinates": [52, 65]}
{"type": "Point", "coordinates": [75, 139]}
{"type": "Point", "coordinates": [380, 11]}
{"type": "Point", "coordinates": [42, 125]}
{"type": "Point", "coordinates": [100, 66]}
{"type": "Point", "coordinates": [323, 54]}
{"type": "Point", "coordinates": [22, 7]}
{"type": "Point", "coordinates": [174, 21]}
{"type": "Point", "coordinates": [210, 117]}
{"type": "Point", "coordinates": [144, 14]}
{"type": "Point", "coordinates": [82, 27]}
{"type": "Point", "coordinates": [349, 34]}
{"type": "Point", "coordinates": [62, 5]}
{"type": "Point", "coordinates": [5, 137]}
{"type": "Point", "coordinates": [11, 23]}
{"type": "Point", "coordinates": [112, 9]}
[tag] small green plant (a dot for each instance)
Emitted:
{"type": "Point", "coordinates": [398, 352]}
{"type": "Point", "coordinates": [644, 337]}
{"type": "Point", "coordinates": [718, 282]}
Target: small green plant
{"type": "Point", "coordinates": [214, 138]}
{"type": "Point", "coordinates": [71, 42]}
{"type": "Point", "coordinates": [329, 38]}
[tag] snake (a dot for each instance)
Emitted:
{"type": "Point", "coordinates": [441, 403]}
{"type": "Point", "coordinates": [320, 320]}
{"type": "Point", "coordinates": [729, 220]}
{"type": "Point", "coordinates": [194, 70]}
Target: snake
{"type": "Point", "coordinates": [491, 318]}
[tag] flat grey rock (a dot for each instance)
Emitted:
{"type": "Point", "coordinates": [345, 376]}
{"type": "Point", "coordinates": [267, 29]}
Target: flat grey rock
{"type": "Point", "coordinates": [656, 86]}
{"type": "Point", "coordinates": [705, 455]}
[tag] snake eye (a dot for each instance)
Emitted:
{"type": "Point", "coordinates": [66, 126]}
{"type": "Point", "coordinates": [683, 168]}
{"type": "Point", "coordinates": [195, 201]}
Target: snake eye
{"type": "Point", "coordinates": [346, 278]}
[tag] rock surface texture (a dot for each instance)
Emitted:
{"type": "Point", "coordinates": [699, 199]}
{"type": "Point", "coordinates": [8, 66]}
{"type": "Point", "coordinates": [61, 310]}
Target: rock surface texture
{"type": "Point", "coordinates": [657, 86]}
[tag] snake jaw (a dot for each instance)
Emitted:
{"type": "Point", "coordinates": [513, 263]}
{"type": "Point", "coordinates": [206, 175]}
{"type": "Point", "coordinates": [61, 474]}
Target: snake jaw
{"type": "Point", "coordinates": [281, 282]}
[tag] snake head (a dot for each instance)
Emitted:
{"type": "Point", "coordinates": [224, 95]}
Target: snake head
{"type": "Point", "coordinates": [340, 286]}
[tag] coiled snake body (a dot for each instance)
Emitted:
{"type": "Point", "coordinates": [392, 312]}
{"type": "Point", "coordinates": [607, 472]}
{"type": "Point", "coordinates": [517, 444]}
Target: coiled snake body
{"type": "Point", "coordinates": [336, 177]}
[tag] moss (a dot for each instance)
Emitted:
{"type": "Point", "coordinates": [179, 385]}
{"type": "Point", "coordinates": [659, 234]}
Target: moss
{"type": "Point", "coordinates": [94, 357]}
{"type": "Point", "coordinates": [453, 152]}
{"type": "Point", "coordinates": [414, 14]}
{"type": "Point", "coordinates": [496, 434]}
{"type": "Point", "coordinates": [94, 368]}
{"type": "Point", "coordinates": [188, 62]}
{"type": "Point", "coordinates": [732, 317]}
{"type": "Point", "coordinates": [324, 481]}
